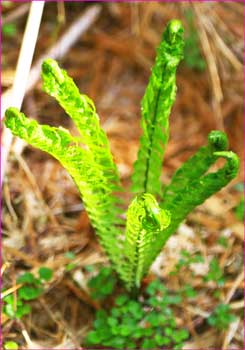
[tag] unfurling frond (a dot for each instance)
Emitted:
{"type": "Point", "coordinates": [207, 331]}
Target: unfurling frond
{"type": "Point", "coordinates": [145, 220]}
{"type": "Point", "coordinates": [191, 185]}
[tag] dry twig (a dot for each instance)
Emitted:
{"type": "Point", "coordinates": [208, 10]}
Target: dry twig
{"type": "Point", "coordinates": [16, 94]}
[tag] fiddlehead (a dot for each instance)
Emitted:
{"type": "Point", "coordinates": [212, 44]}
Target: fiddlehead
{"type": "Point", "coordinates": [145, 220]}
{"type": "Point", "coordinates": [197, 165]}
{"type": "Point", "coordinates": [195, 191]}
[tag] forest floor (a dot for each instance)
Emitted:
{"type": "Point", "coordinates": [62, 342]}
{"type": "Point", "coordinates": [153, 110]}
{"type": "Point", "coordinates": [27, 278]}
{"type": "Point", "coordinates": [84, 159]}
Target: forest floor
{"type": "Point", "coordinates": [42, 215]}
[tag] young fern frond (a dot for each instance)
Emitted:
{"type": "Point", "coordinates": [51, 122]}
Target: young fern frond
{"type": "Point", "coordinates": [191, 185]}
{"type": "Point", "coordinates": [82, 111]}
{"type": "Point", "coordinates": [156, 105]}
{"type": "Point", "coordinates": [89, 161]}
{"type": "Point", "coordinates": [91, 166]}
{"type": "Point", "coordinates": [196, 165]}
{"type": "Point", "coordinates": [145, 220]}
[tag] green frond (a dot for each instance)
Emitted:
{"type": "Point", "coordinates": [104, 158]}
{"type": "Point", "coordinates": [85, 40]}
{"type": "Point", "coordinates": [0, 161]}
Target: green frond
{"type": "Point", "coordinates": [88, 160]}
{"type": "Point", "coordinates": [192, 185]}
{"type": "Point", "coordinates": [82, 111]}
{"type": "Point", "coordinates": [196, 165]}
{"type": "Point", "coordinates": [145, 220]}
{"type": "Point", "coordinates": [99, 201]}
{"type": "Point", "coordinates": [155, 107]}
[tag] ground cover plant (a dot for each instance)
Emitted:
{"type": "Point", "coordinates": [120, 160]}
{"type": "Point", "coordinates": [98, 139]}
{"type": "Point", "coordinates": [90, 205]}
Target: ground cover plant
{"type": "Point", "coordinates": [31, 288]}
{"type": "Point", "coordinates": [157, 210]}
{"type": "Point", "coordinates": [145, 323]}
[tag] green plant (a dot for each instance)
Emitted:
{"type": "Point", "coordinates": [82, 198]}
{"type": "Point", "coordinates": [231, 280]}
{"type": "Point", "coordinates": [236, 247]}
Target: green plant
{"type": "Point", "coordinates": [223, 241]}
{"type": "Point", "coordinates": [221, 317]}
{"type": "Point", "coordinates": [215, 273]}
{"type": "Point", "coordinates": [239, 209]}
{"type": "Point", "coordinates": [9, 29]}
{"type": "Point", "coordinates": [155, 212]}
{"type": "Point", "coordinates": [32, 287]}
{"type": "Point", "coordinates": [185, 260]}
{"type": "Point", "coordinates": [10, 345]}
{"type": "Point", "coordinates": [71, 265]}
{"type": "Point", "coordinates": [146, 323]}
{"type": "Point", "coordinates": [102, 284]}
{"type": "Point", "coordinates": [192, 54]}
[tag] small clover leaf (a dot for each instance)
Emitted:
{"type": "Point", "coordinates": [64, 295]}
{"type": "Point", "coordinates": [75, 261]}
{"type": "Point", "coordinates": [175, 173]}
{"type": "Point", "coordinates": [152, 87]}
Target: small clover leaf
{"type": "Point", "coordinates": [45, 273]}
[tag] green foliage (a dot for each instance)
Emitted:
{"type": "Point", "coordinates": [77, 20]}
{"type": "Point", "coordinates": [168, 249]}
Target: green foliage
{"type": "Point", "coordinates": [215, 273]}
{"type": "Point", "coordinates": [45, 273]}
{"type": "Point", "coordinates": [29, 278]}
{"type": "Point", "coordinates": [31, 289]}
{"type": "Point", "coordinates": [223, 241]}
{"type": "Point", "coordinates": [185, 261]}
{"type": "Point", "coordinates": [29, 293]}
{"type": "Point", "coordinates": [192, 54]}
{"type": "Point", "coordinates": [239, 187]}
{"type": "Point", "coordinates": [145, 221]}
{"type": "Point", "coordinates": [239, 210]}
{"type": "Point", "coordinates": [15, 309]}
{"type": "Point", "coordinates": [10, 345]}
{"type": "Point", "coordinates": [221, 317]}
{"type": "Point", "coordinates": [191, 184]}
{"type": "Point", "coordinates": [102, 284]}
{"type": "Point", "coordinates": [70, 255]}
{"type": "Point", "coordinates": [89, 268]}
{"type": "Point", "coordinates": [91, 166]}
{"type": "Point", "coordinates": [70, 266]}
{"type": "Point", "coordinates": [188, 291]}
{"type": "Point", "coordinates": [146, 323]}
{"type": "Point", "coordinates": [88, 160]}
{"type": "Point", "coordinates": [9, 29]}
{"type": "Point", "coordinates": [156, 105]}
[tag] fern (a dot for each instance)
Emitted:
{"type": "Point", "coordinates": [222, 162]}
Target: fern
{"type": "Point", "coordinates": [88, 160]}
{"type": "Point", "coordinates": [156, 104]}
{"type": "Point", "coordinates": [145, 220]}
{"type": "Point", "coordinates": [190, 186]}
{"type": "Point", "coordinates": [91, 166]}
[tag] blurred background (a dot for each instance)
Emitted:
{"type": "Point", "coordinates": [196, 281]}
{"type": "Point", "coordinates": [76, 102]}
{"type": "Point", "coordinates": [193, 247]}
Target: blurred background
{"type": "Point", "coordinates": [110, 61]}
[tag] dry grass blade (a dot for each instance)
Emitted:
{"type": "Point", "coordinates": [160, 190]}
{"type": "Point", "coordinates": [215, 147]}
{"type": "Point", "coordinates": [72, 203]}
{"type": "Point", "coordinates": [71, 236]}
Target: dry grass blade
{"type": "Point", "coordinates": [64, 44]}
{"type": "Point", "coordinates": [10, 290]}
{"type": "Point", "coordinates": [235, 285]}
{"type": "Point", "coordinates": [21, 75]}
{"type": "Point", "coordinates": [221, 44]}
{"type": "Point", "coordinates": [230, 334]}
{"type": "Point", "coordinates": [212, 66]}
